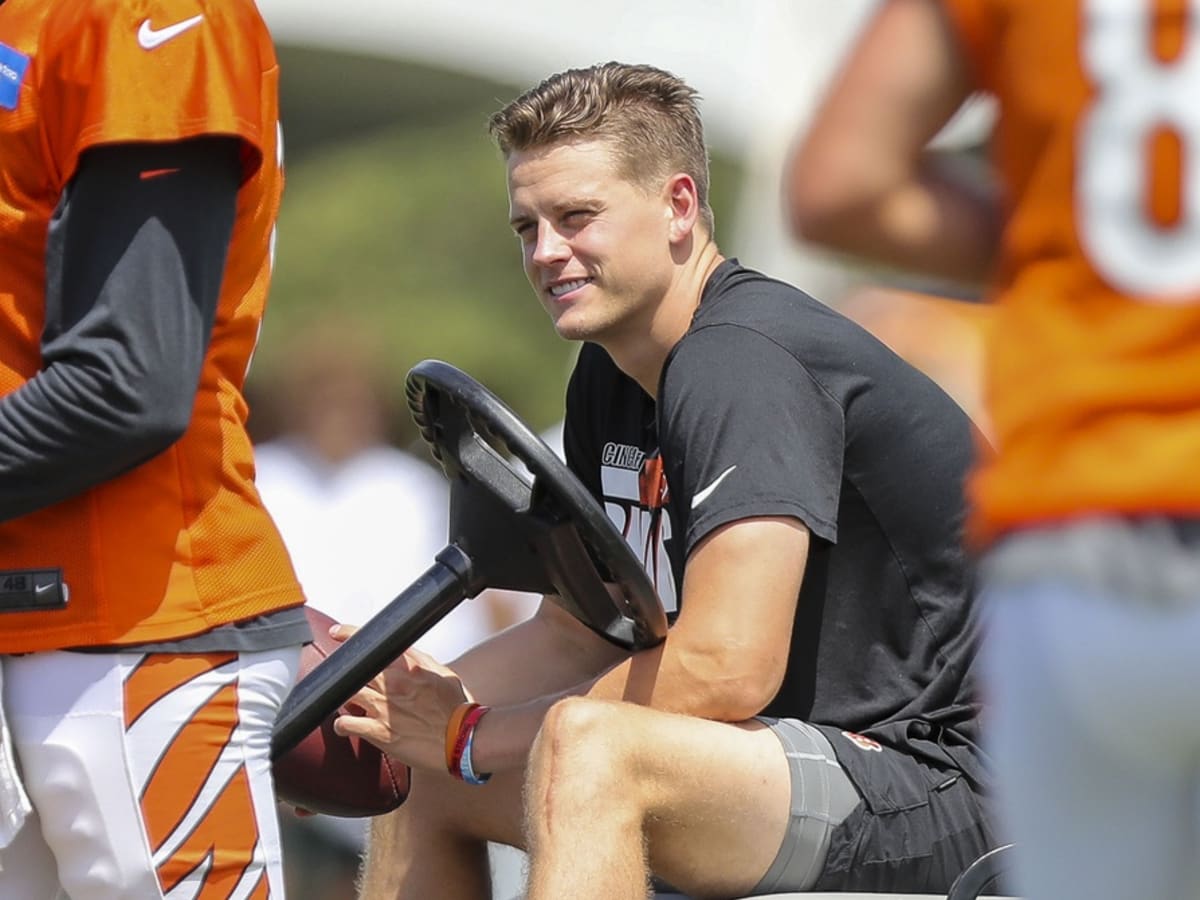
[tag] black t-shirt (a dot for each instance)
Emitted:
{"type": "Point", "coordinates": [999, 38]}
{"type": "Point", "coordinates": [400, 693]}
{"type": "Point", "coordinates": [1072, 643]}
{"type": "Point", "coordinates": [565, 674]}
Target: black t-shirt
{"type": "Point", "coordinates": [774, 404]}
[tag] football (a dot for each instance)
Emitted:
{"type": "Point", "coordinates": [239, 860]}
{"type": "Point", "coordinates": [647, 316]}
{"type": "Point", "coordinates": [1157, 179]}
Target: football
{"type": "Point", "coordinates": [334, 775]}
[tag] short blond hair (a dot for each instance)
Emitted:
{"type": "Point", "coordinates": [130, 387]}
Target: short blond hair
{"type": "Point", "coordinates": [650, 116]}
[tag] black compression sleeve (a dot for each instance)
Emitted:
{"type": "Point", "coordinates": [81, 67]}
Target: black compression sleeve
{"type": "Point", "coordinates": [134, 258]}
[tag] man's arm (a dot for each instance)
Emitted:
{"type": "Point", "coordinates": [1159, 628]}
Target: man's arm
{"type": "Point", "coordinates": [135, 257]}
{"type": "Point", "coordinates": [862, 180]}
{"type": "Point", "coordinates": [724, 658]}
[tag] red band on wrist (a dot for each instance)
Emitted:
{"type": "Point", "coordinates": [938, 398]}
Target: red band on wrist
{"type": "Point", "coordinates": [470, 719]}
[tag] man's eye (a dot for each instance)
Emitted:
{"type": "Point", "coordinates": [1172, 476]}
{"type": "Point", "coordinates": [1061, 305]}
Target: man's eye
{"type": "Point", "coordinates": [577, 216]}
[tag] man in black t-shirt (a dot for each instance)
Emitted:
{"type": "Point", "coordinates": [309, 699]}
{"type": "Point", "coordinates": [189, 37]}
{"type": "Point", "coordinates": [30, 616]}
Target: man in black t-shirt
{"type": "Point", "coordinates": [795, 491]}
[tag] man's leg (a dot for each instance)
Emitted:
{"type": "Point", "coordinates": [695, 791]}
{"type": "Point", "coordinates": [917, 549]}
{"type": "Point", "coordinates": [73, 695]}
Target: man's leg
{"type": "Point", "coordinates": [615, 790]}
{"type": "Point", "coordinates": [435, 845]}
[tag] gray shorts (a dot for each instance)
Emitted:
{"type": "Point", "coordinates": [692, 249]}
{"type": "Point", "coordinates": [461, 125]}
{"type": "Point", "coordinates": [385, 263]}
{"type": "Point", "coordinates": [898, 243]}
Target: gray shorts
{"type": "Point", "coordinates": [822, 797]}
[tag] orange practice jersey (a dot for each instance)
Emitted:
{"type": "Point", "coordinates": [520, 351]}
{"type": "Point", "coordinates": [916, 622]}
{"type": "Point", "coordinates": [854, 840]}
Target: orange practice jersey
{"type": "Point", "coordinates": [1093, 371]}
{"type": "Point", "coordinates": [181, 543]}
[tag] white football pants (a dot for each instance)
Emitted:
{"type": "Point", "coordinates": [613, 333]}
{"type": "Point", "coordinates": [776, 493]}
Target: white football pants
{"type": "Point", "coordinates": [149, 774]}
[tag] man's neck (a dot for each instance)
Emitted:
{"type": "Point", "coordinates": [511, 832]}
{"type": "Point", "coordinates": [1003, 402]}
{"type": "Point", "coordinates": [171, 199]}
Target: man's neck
{"type": "Point", "coordinates": [643, 354]}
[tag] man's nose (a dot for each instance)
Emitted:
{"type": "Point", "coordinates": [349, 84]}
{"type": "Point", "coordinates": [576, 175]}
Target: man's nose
{"type": "Point", "coordinates": [550, 246]}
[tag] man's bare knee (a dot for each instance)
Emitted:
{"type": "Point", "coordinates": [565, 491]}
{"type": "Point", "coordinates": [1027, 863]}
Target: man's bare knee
{"type": "Point", "coordinates": [578, 768]}
{"type": "Point", "coordinates": [582, 729]}
{"type": "Point", "coordinates": [582, 749]}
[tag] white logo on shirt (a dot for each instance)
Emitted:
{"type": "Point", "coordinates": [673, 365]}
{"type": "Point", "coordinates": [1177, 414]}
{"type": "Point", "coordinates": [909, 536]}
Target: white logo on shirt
{"type": "Point", "coordinates": [149, 37]}
{"type": "Point", "coordinates": [700, 496]}
{"type": "Point", "coordinates": [635, 501]}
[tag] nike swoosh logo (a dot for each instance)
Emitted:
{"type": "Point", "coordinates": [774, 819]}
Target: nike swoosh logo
{"type": "Point", "coordinates": [149, 37]}
{"type": "Point", "coordinates": [41, 588]}
{"type": "Point", "coordinates": [700, 496]}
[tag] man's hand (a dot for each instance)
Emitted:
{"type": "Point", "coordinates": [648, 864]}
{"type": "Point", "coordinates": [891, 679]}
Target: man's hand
{"type": "Point", "coordinates": [405, 709]}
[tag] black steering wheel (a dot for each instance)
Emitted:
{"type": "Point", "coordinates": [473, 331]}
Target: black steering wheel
{"type": "Point", "coordinates": [523, 517]}
{"type": "Point", "coordinates": [519, 519]}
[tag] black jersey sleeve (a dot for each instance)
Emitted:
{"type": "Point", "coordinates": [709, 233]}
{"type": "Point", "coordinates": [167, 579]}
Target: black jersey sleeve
{"type": "Point", "coordinates": [135, 257]}
{"type": "Point", "coordinates": [747, 431]}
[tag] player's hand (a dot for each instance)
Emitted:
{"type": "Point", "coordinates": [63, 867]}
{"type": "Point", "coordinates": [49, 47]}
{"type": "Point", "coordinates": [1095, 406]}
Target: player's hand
{"type": "Point", "coordinates": [405, 709]}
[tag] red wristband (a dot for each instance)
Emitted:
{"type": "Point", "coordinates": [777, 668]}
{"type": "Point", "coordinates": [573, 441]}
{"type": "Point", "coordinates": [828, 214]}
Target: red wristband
{"type": "Point", "coordinates": [469, 720]}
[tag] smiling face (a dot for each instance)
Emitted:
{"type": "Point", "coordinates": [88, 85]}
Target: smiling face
{"type": "Point", "coordinates": [597, 247]}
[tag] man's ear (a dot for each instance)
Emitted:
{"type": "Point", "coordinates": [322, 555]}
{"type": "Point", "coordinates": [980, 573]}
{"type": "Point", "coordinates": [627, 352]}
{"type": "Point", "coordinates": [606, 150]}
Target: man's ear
{"type": "Point", "coordinates": [683, 205]}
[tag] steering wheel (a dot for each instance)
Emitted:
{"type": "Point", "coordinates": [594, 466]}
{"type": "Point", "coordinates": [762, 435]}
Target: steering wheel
{"type": "Point", "coordinates": [519, 519]}
{"type": "Point", "coordinates": [523, 517]}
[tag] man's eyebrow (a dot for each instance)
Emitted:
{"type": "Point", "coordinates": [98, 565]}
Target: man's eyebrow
{"type": "Point", "coordinates": [580, 202]}
{"type": "Point", "coordinates": [562, 206]}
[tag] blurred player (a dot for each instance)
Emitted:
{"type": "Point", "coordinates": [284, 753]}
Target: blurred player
{"type": "Point", "coordinates": [1089, 511]}
{"type": "Point", "coordinates": [149, 618]}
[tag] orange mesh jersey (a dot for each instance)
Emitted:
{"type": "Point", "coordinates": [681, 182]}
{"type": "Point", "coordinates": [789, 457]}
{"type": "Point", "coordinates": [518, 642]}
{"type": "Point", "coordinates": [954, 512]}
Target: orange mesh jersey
{"type": "Point", "coordinates": [181, 543]}
{"type": "Point", "coordinates": [1093, 371]}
